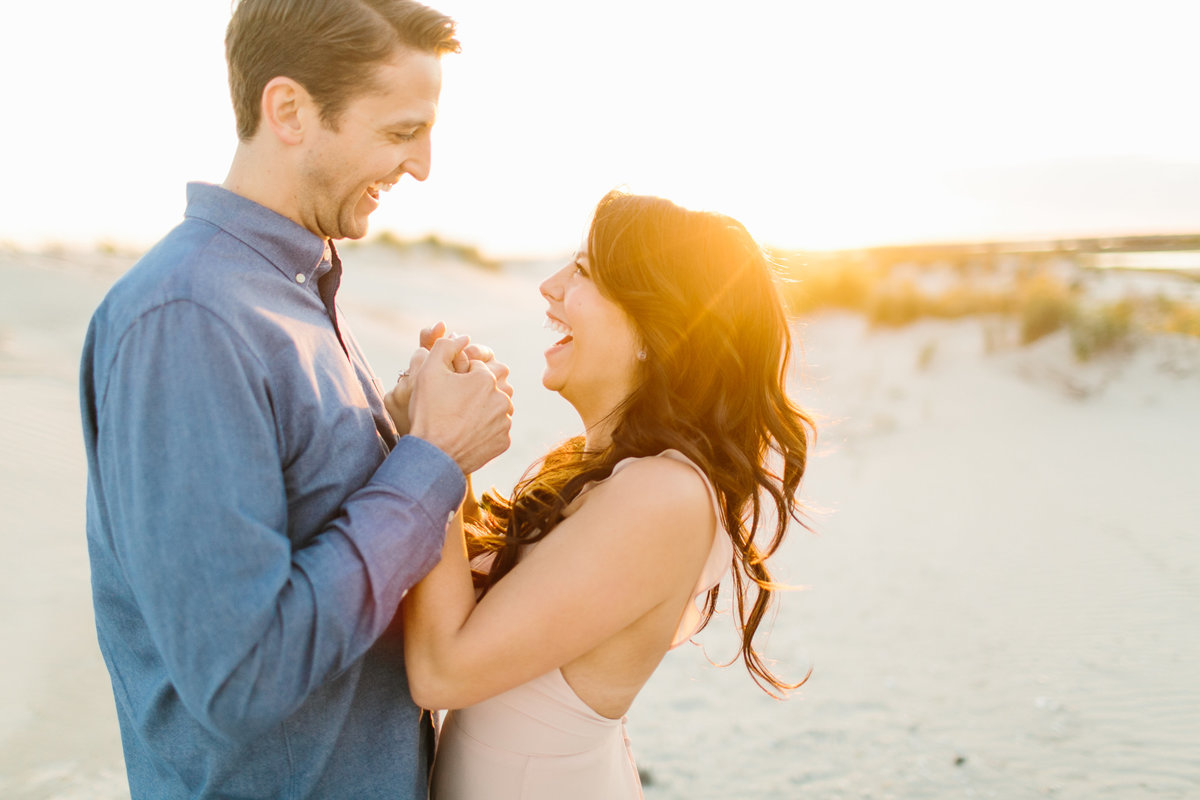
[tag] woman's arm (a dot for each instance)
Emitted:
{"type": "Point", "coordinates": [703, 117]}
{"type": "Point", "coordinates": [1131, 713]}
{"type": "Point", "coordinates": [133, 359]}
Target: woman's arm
{"type": "Point", "coordinates": [639, 540]}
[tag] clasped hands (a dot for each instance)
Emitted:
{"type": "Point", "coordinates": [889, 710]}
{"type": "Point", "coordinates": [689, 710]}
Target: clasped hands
{"type": "Point", "coordinates": [456, 396]}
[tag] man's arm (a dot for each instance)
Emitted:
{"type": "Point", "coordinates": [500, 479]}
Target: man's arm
{"type": "Point", "coordinates": [188, 452]}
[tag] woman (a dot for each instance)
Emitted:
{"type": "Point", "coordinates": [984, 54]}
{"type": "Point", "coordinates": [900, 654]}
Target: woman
{"type": "Point", "coordinates": [674, 352]}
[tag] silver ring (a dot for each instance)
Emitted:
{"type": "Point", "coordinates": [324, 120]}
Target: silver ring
{"type": "Point", "coordinates": [402, 376]}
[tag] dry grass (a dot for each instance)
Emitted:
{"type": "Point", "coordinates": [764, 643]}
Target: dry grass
{"type": "Point", "coordinates": [1039, 302]}
{"type": "Point", "coordinates": [1176, 317]}
{"type": "Point", "coordinates": [1101, 329]}
{"type": "Point", "coordinates": [1044, 306]}
{"type": "Point", "coordinates": [434, 244]}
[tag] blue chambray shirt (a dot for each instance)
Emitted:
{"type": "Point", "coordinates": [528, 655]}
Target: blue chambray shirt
{"type": "Point", "coordinates": [252, 522]}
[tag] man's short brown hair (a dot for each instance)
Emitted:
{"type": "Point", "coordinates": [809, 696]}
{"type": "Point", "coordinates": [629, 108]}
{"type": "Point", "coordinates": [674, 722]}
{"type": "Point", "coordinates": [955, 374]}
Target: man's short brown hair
{"type": "Point", "coordinates": [330, 47]}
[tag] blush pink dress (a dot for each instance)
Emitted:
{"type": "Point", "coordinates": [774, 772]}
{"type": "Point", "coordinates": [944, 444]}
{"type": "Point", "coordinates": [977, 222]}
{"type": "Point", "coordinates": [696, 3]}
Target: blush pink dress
{"type": "Point", "coordinates": [540, 741]}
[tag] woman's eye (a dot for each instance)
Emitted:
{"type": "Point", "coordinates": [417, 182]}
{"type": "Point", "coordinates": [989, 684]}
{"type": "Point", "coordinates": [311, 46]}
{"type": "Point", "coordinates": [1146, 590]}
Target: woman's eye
{"type": "Point", "coordinates": [579, 269]}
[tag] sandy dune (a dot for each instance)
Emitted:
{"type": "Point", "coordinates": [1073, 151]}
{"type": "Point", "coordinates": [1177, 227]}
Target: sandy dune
{"type": "Point", "coordinates": [1002, 591]}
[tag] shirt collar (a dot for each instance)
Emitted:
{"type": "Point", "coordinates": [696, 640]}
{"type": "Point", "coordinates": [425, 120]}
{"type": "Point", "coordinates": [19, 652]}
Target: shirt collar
{"type": "Point", "coordinates": [292, 249]}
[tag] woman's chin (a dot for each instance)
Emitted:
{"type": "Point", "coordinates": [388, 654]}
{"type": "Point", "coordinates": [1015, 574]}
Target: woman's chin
{"type": "Point", "coordinates": [551, 382]}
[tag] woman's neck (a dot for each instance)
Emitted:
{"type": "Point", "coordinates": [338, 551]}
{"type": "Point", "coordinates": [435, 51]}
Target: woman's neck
{"type": "Point", "coordinates": [594, 442]}
{"type": "Point", "coordinates": [598, 432]}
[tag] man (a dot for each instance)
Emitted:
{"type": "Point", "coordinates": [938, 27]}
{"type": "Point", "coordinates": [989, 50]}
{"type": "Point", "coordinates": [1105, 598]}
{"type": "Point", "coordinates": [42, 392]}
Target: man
{"type": "Point", "coordinates": [253, 516]}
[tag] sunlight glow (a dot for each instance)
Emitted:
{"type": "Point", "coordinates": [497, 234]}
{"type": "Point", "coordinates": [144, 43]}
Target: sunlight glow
{"type": "Point", "coordinates": [816, 124]}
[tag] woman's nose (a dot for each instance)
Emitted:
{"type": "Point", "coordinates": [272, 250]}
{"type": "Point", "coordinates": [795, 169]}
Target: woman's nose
{"type": "Point", "coordinates": [551, 288]}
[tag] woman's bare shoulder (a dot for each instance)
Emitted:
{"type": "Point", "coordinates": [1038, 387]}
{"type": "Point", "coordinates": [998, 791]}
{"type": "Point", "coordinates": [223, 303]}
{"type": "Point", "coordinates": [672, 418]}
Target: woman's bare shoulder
{"type": "Point", "coordinates": [659, 490]}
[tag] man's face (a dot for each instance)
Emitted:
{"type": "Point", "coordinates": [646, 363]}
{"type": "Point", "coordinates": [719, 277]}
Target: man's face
{"type": "Point", "coordinates": [381, 135]}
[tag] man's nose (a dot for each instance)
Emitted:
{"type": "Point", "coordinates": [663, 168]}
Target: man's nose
{"type": "Point", "coordinates": [419, 163]}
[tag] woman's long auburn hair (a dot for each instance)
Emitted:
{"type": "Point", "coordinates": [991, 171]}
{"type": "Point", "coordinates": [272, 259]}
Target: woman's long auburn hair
{"type": "Point", "coordinates": [702, 296]}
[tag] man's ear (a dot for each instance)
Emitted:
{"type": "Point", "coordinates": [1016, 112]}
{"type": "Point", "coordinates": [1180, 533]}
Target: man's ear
{"type": "Point", "coordinates": [287, 109]}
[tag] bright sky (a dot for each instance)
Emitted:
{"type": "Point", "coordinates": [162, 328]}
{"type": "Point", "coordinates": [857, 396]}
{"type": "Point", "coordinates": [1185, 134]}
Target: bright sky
{"type": "Point", "coordinates": [816, 122]}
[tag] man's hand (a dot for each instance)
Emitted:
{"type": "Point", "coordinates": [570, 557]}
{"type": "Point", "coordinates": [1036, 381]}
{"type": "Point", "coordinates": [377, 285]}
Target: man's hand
{"type": "Point", "coordinates": [398, 399]}
{"type": "Point", "coordinates": [468, 415]}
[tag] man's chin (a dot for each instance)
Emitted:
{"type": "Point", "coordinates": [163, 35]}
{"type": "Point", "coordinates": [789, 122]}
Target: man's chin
{"type": "Point", "coordinates": [355, 229]}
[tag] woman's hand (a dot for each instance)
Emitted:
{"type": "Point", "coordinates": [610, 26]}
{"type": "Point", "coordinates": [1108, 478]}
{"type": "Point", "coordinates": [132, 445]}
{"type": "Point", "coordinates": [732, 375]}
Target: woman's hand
{"type": "Point", "coordinates": [396, 401]}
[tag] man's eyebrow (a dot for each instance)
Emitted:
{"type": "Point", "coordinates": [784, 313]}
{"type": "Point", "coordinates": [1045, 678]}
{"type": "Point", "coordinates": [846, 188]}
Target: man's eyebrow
{"type": "Point", "coordinates": [413, 124]}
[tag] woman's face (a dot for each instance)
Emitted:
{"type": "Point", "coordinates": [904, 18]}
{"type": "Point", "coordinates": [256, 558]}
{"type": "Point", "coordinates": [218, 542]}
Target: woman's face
{"type": "Point", "coordinates": [594, 362]}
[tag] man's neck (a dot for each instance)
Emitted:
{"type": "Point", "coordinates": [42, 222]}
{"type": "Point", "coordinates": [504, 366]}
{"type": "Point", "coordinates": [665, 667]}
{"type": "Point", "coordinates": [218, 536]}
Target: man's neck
{"type": "Point", "coordinates": [258, 176]}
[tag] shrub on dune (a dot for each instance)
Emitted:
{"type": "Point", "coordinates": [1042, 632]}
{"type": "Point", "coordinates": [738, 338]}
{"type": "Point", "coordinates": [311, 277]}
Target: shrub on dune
{"type": "Point", "coordinates": [1045, 306]}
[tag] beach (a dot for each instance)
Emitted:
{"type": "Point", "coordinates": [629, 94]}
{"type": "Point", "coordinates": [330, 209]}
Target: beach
{"type": "Point", "coordinates": [998, 596]}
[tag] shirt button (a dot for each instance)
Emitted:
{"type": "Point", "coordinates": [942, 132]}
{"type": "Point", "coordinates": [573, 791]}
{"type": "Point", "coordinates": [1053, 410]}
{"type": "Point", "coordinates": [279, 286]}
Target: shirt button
{"type": "Point", "coordinates": [300, 277]}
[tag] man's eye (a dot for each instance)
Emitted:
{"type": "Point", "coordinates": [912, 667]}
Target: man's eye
{"type": "Point", "coordinates": [404, 137]}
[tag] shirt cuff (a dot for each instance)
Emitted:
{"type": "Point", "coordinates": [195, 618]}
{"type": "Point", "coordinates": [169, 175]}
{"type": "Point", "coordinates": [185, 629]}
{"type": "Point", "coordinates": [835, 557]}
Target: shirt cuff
{"type": "Point", "coordinates": [423, 472]}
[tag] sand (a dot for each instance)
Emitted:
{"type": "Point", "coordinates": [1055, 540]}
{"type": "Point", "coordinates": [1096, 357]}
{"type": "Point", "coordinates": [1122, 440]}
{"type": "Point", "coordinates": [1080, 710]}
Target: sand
{"type": "Point", "coordinates": [1002, 590]}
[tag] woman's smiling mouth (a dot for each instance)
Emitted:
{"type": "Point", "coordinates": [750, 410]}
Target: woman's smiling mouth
{"type": "Point", "coordinates": [558, 326]}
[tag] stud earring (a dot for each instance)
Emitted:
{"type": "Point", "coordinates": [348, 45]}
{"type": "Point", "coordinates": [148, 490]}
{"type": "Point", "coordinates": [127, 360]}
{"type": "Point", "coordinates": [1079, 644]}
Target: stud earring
{"type": "Point", "coordinates": [641, 355]}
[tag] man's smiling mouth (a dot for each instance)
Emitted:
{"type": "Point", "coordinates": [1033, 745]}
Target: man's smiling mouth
{"type": "Point", "coordinates": [376, 188]}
